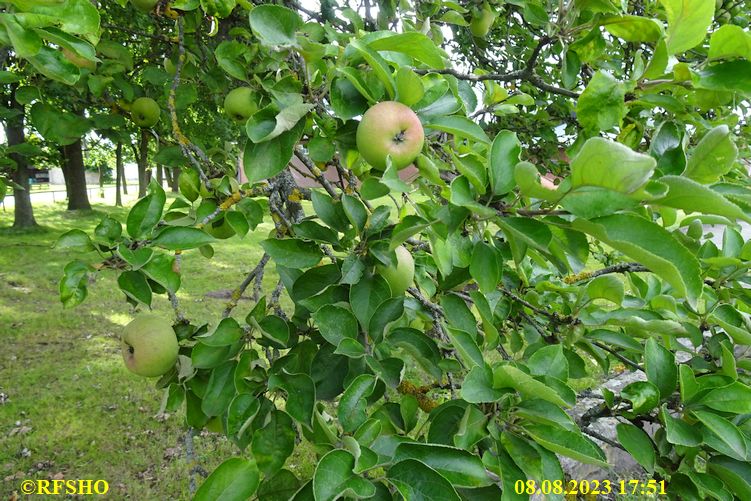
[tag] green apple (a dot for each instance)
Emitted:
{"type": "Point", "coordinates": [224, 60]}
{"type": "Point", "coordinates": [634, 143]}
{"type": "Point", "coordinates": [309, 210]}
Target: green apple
{"type": "Point", "coordinates": [389, 128]}
{"type": "Point", "coordinates": [144, 5]}
{"type": "Point", "coordinates": [482, 21]}
{"type": "Point", "coordinates": [144, 112]}
{"type": "Point", "coordinates": [149, 345]}
{"type": "Point", "coordinates": [77, 60]}
{"type": "Point", "coordinates": [401, 276]}
{"type": "Point", "coordinates": [241, 103]}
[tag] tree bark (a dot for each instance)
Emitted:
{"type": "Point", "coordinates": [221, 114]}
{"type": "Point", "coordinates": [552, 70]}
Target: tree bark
{"type": "Point", "coordinates": [118, 173]}
{"type": "Point", "coordinates": [143, 162]}
{"type": "Point", "coordinates": [160, 174]}
{"type": "Point", "coordinates": [75, 177]}
{"type": "Point", "coordinates": [23, 214]}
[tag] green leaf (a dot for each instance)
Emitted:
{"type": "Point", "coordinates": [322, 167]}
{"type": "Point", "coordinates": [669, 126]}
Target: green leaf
{"type": "Point", "coordinates": [75, 240]}
{"type": "Point", "coordinates": [678, 431]}
{"type": "Point", "coordinates": [722, 435]}
{"type": "Point", "coordinates": [414, 44]}
{"type": "Point", "coordinates": [292, 252]}
{"type": "Point", "coordinates": [145, 214]}
{"type": "Point", "coordinates": [459, 126]}
{"type": "Point", "coordinates": [731, 322]}
{"type": "Point", "coordinates": [26, 43]}
{"type": "Point", "coordinates": [735, 398]}
{"type": "Point", "coordinates": [266, 124]}
{"type": "Point", "coordinates": [182, 238]}
{"type": "Point", "coordinates": [355, 211]}
{"type": "Point", "coordinates": [366, 295]}
{"type": "Point", "coordinates": [269, 158]}
{"type": "Point", "coordinates": [601, 106]}
{"type": "Point", "coordinates": [638, 444]}
{"type": "Point", "coordinates": [160, 270]}
{"type": "Point", "coordinates": [633, 28]}
{"type": "Point", "coordinates": [466, 347]}
{"type": "Point", "coordinates": [275, 25]}
{"type": "Point", "coordinates": [417, 481]}
{"type": "Point", "coordinates": [218, 8]}
{"type": "Point", "coordinates": [606, 287]}
{"type": "Point", "coordinates": [694, 197]}
{"type": "Point", "coordinates": [274, 443]}
{"type": "Point", "coordinates": [735, 474]}
{"type": "Point", "coordinates": [281, 486]}
{"type": "Point", "coordinates": [568, 443]}
{"type": "Point", "coordinates": [72, 285]}
{"type": "Point", "coordinates": [301, 394]}
{"type": "Point", "coordinates": [52, 64]}
{"type": "Point", "coordinates": [688, 23]}
{"type": "Point", "coordinates": [659, 364]}
{"type": "Point", "coordinates": [730, 41]}
{"type": "Point", "coordinates": [652, 246]}
{"type": "Point", "coordinates": [477, 386]}
{"type": "Point", "coordinates": [549, 361]}
{"type": "Point", "coordinates": [503, 157]}
{"type": "Point", "coordinates": [506, 376]}
{"type": "Point", "coordinates": [380, 66]}
{"type": "Point", "coordinates": [544, 412]}
{"type": "Point", "coordinates": [409, 87]}
{"type": "Point", "coordinates": [461, 468]}
{"type": "Point", "coordinates": [485, 267]}
{"type": "Point", "coordinates": [335, 323]}
{"type": "Point", "coordinates": [230, 56]}
{"type": "Point", "coordinates": [387, 312]}
{"type": "Point", "coordinates": [220, 390]}
{"type": "Point", "coordinates": [352, 409]}
{"type": "Point", "coordinates": [713, 157]}
{"type": "Point", "coordinates": [643, 395]}
{"type": "Point", "coordinates": [611, 165]}
{"type": "Point", "coordinates": [334, 479]}
{"type": "Point", "coordinates": [227, 333]}
{"type": "Point", "coordinates": [135, 286]}
{"type": "Point", "coordinates": [421, 347]}
{"type": "Point", "coordinates": [236, 479]}
{"type": "Point", "coordinates": [731, 76]}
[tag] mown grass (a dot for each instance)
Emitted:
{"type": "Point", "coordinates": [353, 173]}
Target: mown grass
{"type": "Point", "coordinates": [69, 408]}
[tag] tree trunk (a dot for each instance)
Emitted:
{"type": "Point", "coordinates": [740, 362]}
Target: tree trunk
{"type": "Point", "coordinates": [143, 161]}
{"type": "Point", "coordinates": [75, 177]}
{"type": "Point", "coordinates": [174, 179]}
{"type": "Point", "coordinates": [160, 174]}
{"type": "Point", "coordinates": [23, 214]}
{"type": "Point", "coordinates": [101, 180]}
{"type": "Point", "coordinates": [118, 173]}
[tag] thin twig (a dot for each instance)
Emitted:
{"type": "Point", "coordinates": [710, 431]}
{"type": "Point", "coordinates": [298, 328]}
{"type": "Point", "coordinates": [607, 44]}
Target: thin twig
{"type": "Point", "coordinates": [237, 293]}
{"type": "Point", "coordinates": [617, 355]}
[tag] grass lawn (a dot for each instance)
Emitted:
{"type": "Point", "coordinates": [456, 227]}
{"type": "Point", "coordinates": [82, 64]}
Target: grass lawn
{"type": "Point", "coordinates": [68, 407]}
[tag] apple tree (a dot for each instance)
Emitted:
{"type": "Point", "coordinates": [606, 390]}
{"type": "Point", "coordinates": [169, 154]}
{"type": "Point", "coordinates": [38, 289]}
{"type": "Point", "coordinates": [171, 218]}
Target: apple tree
{"type": "Point", "coordinates": [577, 206]}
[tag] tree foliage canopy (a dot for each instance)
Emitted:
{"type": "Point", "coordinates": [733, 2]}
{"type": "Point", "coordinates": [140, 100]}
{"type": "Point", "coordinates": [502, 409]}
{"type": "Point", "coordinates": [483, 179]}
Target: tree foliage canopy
{"type": "Point", "coordinates": [636, 111]}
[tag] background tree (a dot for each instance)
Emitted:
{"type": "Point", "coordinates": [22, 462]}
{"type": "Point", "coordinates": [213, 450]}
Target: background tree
{"type": "Point", "coordinates": [456, 388]}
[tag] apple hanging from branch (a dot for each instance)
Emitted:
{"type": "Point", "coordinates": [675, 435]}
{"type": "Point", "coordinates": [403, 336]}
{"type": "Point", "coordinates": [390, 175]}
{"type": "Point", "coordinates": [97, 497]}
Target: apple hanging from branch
{"type": "Point", "coordinates": [390, 128]}
{"type": "Point", "coordinates": [401, 276]}
{"type": "Point", "coordinates": [144, 112]}
{"type": "Point", "coordinates": [149, 346]}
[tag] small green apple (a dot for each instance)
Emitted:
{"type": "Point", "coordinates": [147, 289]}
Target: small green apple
{"type": "Point", "coordinates": [144, 112]}
{"type": "Point", "coordinates": [144, 5]}
{"type": "Point", "coordinates": [482, 21]}
{"type": "Point", "coordinates": [389, 128]}
{"type": "Point", "coordinates": [149, 346]}
{"type": "Point", "coordinates": [241, 103]}
{"type": "Point", "coordinates": [401, 276]}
